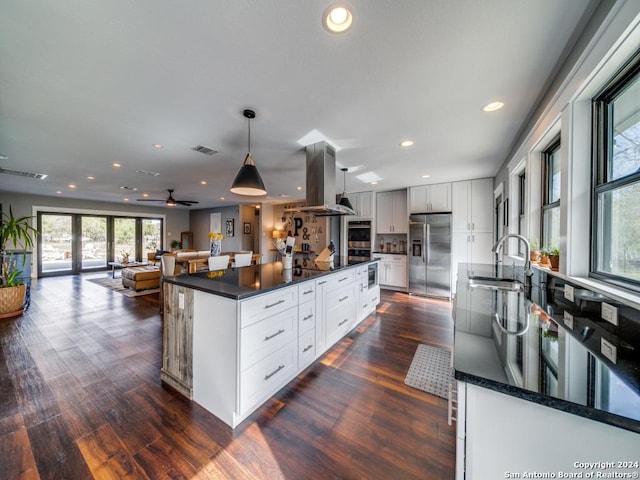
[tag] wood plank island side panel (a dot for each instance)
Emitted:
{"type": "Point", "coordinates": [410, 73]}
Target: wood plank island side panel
{"type": "Point", "coordinates": [177, 342]}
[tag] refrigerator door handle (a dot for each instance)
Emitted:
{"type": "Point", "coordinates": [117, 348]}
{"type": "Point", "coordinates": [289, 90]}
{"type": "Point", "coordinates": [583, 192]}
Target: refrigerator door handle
{"type": "Point", "coordinates": [427, 241]}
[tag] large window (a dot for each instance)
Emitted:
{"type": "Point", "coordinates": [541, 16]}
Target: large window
{"type": "Point", "coordinates": [551, 195]}
{"type": "Point", "coordinates": [616, 197]}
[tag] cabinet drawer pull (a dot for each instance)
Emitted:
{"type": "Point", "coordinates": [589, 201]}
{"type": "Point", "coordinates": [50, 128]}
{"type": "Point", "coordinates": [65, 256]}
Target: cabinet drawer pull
{"type": "Point", "coordinates": [274, 304]}
{"type": "Point", "coordinates": [308, 317]}
{"type": "Point", "coordinates": [307, 292]}
{"type": "Point", "coordinates": [343, 298]}
{"type": "Point", "coordinates": [343, 279]}
{"type": "Point", "coordinates": [322, 283]}
{"type": "Point", "coordinates": [269, 337]}
{"type": "Point", "coordinates": [343, 322]}
{"type": "Point", "coordinates": [307, 348]}
{"type": "Point", "coordinates": [269, 375]}
{"type": "Point", "coordinates": [365, 305]}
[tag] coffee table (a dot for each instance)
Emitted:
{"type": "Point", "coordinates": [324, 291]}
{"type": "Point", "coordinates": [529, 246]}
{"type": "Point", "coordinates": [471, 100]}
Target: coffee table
{"type": "Point", "coordinates": [115, 265]}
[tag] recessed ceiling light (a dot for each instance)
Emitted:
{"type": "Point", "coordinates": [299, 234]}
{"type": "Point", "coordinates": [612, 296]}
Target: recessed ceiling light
{"type": "Point", "coordinates": [117, 165]}
{"type": "Point", "coordinates": [203, 182]}
{"type": "Point", "coordinates": [126, 199]}
{"type": "Point", "coordinates": [157, 145]}
{"type": "Point", "coordinates": [426, 176]}
{"type": "Point", "coordinates": [299, 188]}
{"type": "Point", "coordinates": [71, 185]}
{"type": "Point", "coordinates": [406, 143]}
{"type": "Point", "coordinates": [221, 198]}
{"type": "Point", "coordinates": [58, 192]}
{"type": "Point", "coordinates": [337, 18]}
{"type": "Point", "coordinates": [374, 183]}
{"type": "Point", "coordinates": [91, 178]}
{"type": "Point", "coordinates": [145, 194]}
{"type": "Point", "coordinates": [492, 107]}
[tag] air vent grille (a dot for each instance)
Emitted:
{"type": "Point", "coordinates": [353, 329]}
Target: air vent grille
{"type": "Point", "coordinates": [18, 173]}
{"type": "Point", "coordinates": [205, 150]}
{"type": "Point", "coordinates": [148, 172]}
{"type": "Point", "coordinates": [126, 187]}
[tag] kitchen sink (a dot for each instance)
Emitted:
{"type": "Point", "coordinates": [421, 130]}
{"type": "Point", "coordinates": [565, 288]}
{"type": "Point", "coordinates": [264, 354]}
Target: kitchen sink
{"type": "Point", "coordinates": [506, 284]}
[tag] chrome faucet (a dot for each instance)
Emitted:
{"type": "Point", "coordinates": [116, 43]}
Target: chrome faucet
{"type": "Point", "coordinates": [528, 272]}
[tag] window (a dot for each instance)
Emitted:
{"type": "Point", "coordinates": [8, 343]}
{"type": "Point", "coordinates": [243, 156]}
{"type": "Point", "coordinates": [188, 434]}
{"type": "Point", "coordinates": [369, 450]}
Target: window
{"type": "Point", "coordinates": [551, 195]}
{"type": "Point", "coordinates": [616, 191]}
{"type": "Point", "coordinates": [522, 229]}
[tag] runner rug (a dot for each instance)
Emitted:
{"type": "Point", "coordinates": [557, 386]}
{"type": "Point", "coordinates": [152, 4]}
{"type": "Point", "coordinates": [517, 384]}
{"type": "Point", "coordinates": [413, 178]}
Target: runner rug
{"type": "Point", "coordinates": [431, 371]}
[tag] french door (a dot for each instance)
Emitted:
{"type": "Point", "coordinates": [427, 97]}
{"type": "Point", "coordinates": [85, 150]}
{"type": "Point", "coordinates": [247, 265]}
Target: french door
{"type": "Point", "coordinates": [71, 243]}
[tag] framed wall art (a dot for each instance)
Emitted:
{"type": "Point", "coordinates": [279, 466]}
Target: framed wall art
{"type": "Point", "coordinates": [229, 227]}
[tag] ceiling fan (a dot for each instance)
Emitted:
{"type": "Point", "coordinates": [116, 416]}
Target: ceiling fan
{"type": "Point", "coordinates": [169, 201]}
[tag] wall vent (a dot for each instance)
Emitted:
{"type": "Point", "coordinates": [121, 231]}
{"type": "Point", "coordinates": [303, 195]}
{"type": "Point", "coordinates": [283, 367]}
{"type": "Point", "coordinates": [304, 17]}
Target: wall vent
{"type": "Point", "coordinates": [205, 150]}
{"type": "Point", "coordinates": [18, 173]}
{"type": "Point", "coordinates": [148, 172]}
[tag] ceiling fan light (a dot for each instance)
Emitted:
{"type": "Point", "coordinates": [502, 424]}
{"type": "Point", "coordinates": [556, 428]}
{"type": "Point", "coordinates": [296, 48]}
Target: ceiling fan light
{"type": "Point", "coordinates": [248, 180]}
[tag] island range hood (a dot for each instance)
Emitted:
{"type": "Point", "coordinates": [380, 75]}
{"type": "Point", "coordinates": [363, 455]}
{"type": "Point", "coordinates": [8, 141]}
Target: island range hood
{"type": "Point", "coordinates": [321, 183]}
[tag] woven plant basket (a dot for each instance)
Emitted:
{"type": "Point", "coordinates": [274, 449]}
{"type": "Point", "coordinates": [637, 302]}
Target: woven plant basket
{"type": "Point", "coordinates": [12, 299]}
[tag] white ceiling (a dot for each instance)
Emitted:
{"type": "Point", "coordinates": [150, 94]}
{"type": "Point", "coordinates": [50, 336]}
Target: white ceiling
{"type": "Point", "coordinates": [84, 84]}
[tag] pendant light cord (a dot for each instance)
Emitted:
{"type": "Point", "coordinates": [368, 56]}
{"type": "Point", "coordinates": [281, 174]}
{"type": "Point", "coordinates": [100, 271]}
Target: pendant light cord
{"type": "Point", "coordinates": [249, 137]}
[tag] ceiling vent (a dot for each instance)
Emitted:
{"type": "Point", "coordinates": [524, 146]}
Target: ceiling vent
{"type": "Point", "coordinates": [18, 173]}
{"type": "Point", "coordinates": [148, 172]}
{"type": "Point", "coordinates": [205, 150]}
{"type": "Point", "coordinates": [126, 187]}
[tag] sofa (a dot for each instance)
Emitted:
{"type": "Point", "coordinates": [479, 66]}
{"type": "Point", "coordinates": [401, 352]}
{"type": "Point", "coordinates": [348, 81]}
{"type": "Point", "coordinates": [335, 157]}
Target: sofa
{"type": "Point", "coordinates": [141, 278]}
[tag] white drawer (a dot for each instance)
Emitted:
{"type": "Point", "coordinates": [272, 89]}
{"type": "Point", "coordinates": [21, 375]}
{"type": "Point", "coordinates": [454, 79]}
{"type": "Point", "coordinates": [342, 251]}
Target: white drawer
{"type": "Point", "coordinates": [339, 295]}
{"type": "Point", "coordinates": [340, 319]}
{"type": "Point", "coordinates": [306, 349]}
{"type": "Point", "coordinates": [266, 336]}
{"type": "Point", "coordinates": [306, 316]}
{"type": "Point", "coordinates": [306, 292]}
{"type": "Point", "coordinates": [262, 306]}
{"type": "Point", "coordinates": [341, 278]}
{"type": "Point", "coordinates": [268, 376]}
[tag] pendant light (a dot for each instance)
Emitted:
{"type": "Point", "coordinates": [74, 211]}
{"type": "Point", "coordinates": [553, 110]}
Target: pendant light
{"type": "Point", "coordinates": [344, 200]}
{"type": "Point", "coordinates": [248, 180]}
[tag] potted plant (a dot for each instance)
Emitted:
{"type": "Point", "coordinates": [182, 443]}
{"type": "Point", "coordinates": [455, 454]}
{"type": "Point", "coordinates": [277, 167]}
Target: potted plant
{"type": "Point", "coordinates": [534, 255]}
{"type": "Point", "coordinates": [17, 233]}
{"type": "Point", "coordinates": [544, 258]}
{"type": "Point", "coordinates": [554, 258]}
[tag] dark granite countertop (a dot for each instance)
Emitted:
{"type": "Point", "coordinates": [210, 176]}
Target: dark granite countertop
{"type": "Point", "coordinates": [244, 282]}
{"type": "Point", "coordinates": [540, 346]}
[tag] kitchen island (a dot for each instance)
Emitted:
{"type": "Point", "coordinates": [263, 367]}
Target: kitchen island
{"type": "Point", "coordinates": [545, 385]}
{"type": "Point", "coordinates": [232, 338]}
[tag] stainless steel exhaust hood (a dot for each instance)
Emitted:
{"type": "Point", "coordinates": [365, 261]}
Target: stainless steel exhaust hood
{"type": "Point", "coordinates": [321, 183]}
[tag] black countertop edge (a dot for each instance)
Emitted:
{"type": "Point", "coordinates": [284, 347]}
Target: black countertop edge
{"type": "Point", "coordinates": [552, 402]}
{"type": "Point", "coordinates": [200, 282]}
{"type": "Point", "coordinates": [387, 253]}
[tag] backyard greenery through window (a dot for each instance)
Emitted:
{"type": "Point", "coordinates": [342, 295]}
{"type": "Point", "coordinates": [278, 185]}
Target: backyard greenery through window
{"type": "Point", "coordinates": [616, 198]}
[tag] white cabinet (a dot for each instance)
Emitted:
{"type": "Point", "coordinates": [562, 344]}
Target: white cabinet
{"type": "Point", "coordinates": [391, 212]}
{"type": "Point", "coordinates": [245, 350]}
{"type": "Point", "coordinates": [392, 270]}
{"type": "Point", "coordinates": [488, 445]}
{"type": "Point", "coordinates": [472, 222]}
{"type": "Point", "coordinates": [362, 203]}
{"type": "Point", "coordinates": [430, 198]}
{"type": "Point", "coordinates": [472, 205]}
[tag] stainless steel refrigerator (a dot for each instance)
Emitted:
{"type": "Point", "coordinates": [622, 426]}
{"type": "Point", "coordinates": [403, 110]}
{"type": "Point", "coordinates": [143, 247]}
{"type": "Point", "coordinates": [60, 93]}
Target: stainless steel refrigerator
{"type": "Point", "coordinates": [430, 254]}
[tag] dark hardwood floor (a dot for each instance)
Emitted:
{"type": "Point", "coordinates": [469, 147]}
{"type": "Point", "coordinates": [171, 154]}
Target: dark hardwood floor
{"type": "Point", "coordinates": [80, 398]}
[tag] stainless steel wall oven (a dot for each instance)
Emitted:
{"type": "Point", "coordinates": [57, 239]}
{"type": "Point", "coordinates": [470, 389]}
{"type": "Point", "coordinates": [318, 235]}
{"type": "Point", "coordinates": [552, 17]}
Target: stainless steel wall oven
{"type": "Point", "coordinates": [359, 240]}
